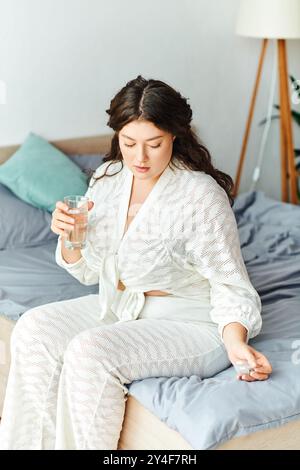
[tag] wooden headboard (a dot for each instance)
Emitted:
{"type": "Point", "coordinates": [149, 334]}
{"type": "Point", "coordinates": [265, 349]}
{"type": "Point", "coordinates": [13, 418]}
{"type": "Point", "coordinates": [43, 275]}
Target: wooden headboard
{"type": "Point", "coordinates": [79, 145]}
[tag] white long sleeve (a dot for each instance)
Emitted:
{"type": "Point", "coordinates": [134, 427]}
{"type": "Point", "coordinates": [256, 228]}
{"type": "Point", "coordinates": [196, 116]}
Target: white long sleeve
{"type": "Point", "coordinates": [214, 250]}
{"type": "Point", "coordinates": [80, 270]}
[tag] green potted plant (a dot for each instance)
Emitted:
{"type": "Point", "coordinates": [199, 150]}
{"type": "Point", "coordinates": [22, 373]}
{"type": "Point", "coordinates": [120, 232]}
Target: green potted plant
{"type": "Point", "coordinates": [296, 117]}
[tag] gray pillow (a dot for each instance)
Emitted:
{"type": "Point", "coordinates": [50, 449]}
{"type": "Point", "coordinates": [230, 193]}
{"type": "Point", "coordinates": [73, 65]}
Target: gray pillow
{"type": "Point", "coordinates": [87, 162]}
{"type": "Point", "coordinates": [21, 224]}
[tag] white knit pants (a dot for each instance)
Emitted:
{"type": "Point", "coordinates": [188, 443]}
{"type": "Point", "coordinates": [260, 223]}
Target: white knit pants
{"type": "Point", "coordinates": [69, 370]}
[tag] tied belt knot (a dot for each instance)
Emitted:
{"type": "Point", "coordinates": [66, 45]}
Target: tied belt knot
{"type": "Point", "coordinates": [126, 304]}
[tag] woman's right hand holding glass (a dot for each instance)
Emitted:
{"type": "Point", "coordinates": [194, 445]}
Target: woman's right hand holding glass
{"type": "Point", "coordinates": [62, 223]}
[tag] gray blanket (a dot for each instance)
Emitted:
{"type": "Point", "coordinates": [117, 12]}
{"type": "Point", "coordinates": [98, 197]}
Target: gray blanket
{"type": "Point", "coordinates": [210, 411]}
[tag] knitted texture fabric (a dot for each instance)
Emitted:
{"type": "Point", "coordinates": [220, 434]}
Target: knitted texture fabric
{"type": "Point", "coordinates": [184, 240]}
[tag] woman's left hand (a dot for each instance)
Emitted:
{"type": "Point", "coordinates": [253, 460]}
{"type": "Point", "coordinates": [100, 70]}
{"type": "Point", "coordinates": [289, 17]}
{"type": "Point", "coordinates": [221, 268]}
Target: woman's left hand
{"type": "Point", "coordinates": [242, 352]}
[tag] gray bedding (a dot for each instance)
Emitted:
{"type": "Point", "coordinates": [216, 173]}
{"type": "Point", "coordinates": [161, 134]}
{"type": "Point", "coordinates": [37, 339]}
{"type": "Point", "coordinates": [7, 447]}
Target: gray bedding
{"type": "Point", "coordinates": [30, 277]}
{"type": "Point", "coordinates": [205, 412]}
{"type": "Point", "coordinates": [211, 411]}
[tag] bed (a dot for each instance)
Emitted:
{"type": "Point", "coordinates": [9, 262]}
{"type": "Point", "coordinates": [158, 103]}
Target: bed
{"type": "Point", "coordinates": [188, 413]}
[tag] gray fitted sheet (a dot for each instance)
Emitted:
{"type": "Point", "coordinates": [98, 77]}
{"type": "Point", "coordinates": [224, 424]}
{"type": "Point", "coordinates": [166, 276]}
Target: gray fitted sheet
{"type": "Point", "coordinates": [30, 277]}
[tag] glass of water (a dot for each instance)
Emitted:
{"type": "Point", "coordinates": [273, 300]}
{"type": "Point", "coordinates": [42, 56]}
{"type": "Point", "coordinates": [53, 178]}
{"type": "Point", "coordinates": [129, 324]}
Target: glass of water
{"type": "Point", "coordinates": [78, 210]}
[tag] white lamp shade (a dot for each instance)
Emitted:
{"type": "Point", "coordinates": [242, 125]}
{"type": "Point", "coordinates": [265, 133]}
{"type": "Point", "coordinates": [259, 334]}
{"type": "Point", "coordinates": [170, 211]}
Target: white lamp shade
{"type": "Point", "coordinates": [278, 19]}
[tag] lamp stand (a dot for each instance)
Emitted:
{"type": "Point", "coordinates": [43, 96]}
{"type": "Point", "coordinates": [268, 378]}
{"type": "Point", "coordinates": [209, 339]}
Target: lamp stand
{"type": "Point", "coordinates": [289, 173]}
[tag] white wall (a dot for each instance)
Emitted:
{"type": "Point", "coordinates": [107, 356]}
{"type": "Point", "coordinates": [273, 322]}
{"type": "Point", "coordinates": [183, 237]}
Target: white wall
{"type": "Point", "coordinates": [63, 60]}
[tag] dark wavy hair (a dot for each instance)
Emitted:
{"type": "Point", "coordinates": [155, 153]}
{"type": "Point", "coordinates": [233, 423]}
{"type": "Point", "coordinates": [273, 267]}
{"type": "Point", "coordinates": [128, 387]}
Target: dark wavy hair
{"type": "Point", "coordinates": [157, 102]}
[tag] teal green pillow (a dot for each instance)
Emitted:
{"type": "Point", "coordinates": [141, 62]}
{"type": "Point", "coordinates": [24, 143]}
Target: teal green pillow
{"type": "Point", "coordinates": [40, 174]}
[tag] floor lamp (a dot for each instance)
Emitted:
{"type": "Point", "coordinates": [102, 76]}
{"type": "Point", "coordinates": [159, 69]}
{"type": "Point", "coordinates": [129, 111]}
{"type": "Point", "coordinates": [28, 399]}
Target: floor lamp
{"type": "Point", "coordinates": [273, 19]}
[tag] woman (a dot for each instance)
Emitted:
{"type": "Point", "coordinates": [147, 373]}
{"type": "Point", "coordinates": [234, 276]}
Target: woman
{"type": "Point", "coordinates": [174, 298]}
